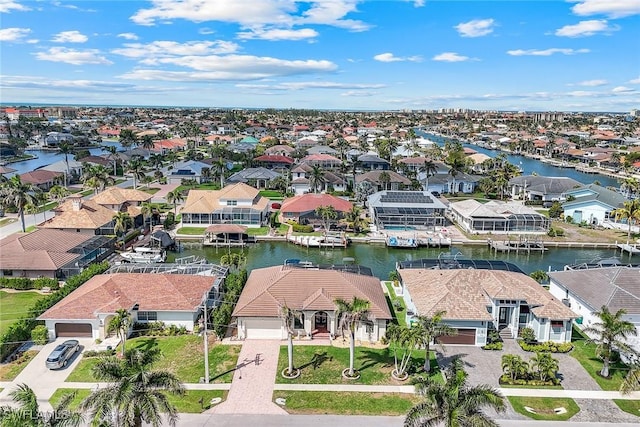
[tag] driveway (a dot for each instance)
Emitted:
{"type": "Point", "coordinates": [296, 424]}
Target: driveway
{"type": "Point", "coordinates": [43, 381]}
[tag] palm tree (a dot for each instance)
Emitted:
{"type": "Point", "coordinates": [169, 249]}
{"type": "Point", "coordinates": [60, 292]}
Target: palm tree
{"type": "Point", "coordinates": [610, 334]}
{"type": "Point", "coordinates": [174, 197]}
{"type": "Point", "coordinates": [350, 315]}
{"type": "Point", "coordinates": [630, 186]}
{"type": "Point", "coordinates": [120, 324]}
{"type": "Point", "coordinates": [96, 177]}
{"type": "Point", "coordinates": [122, 221]}
{"type": "Point", "coordinates": [385, 179]}
{"type": "Point", "coordinates": [18, 194]}
{"type": "Point", "coordinates": [127, 138]}
{"type": "Point", "coordinates": [147, 209]}
{"type": "Point", "coordinates": [316, 178]}
{"type": "Point", "coordinates": [136, 168]}
{"type": "Point", "coordinates": [431, 327]}
{"type": "Point", "coordinates": [454, 403]}
{"type": "Point", "coordinates": [354, 219]}
{"type": "Point", "coordinates": [65, 148]}
{"type": "Point", "coordinates": [28, 413]}
{"type": "Point", "coordinates": [135, 394]}
{"type": "Point", "coordinates": [289, 316]}
{"type": "Point", "coordinates": [514, 366]}
{"type": "Point", "coordinates": [630, 211]}
{"type": "Point", "coordinates": [406, 339]}
{"type": "Point", "coordinates": [429, 168]}
{"type": "Point", "coordinates": [328, 214]}
{"type": "Point", "coordinates": [544, 366]}
{"type": "Point", "coordinates": [632, 380]}
{"type": "Point", "coordinates": [457, 164]}
{"type": "Point", "coordinates": [233, 260]}
{"type": "Point", "coordinates": [148, 143]}
{"type": "Point", "coordinates": [113, 156]}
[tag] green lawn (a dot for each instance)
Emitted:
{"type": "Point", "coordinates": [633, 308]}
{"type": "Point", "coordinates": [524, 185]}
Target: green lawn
{"type": "Point", "coordinates": [9, 371]}
{"type": "Point", "coordinates": [272, 194]}
{"type": "Point", "coordinates": [324, 365]}
{"type": "Point", "coordinates": [14, 306]}
{"type": "Point", "coordinates": [544, 407]}
{"type": "Point", "coordinates": [30, 229]}
{"type": "Point", "coordinates": [206, 186]}
{"type": "Point", "coordinates": [152, 190]}
{"type": "Point", "coordinates": [191, 231]}
{"type": "Point", "coordinates": [585, 352]}
{"type": "Point", "coordinates": [398, 314]}
{"type": "Point", "coordinates": [346, 403]}
{"type": "Point", "coordinates": [630, 406]}
{"type": "Point", "coordinates": [263, 231]}
{"type": "Point", "coordinates": [188, 403]}
{"type": "Point", "coordinates": [183, 355]}
{"type": "Point", "coordinates": [7, 221]}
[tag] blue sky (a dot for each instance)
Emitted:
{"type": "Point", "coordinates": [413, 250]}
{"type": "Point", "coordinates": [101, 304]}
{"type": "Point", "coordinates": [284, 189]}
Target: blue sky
{"type": "Point", "coordinates": [577, 55]}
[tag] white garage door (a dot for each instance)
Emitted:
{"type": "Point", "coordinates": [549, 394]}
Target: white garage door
{"type": "Point", "coordinates": [264, 328]}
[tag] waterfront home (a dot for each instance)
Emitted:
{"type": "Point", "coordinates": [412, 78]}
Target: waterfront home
{"type": "Point", "coordinates": [81, 216]}
{"type": "Point", "coordinates": [50, 253]}
{"type": "Point", "coordinates": [274, 161]}
{"type": "Point", "coordinates": [416, 164]}
{"type": "Point", "coordinates": [255, 177]}
{"type": "Point", "coordinates": [446, 183]}
{"type": "Point", "coordinates": [409, 210]}
{"type": "Point", "coordinates": [313, 292]}
{"type": "Point", "coordinates": [302, 208]}
{"type": "Point", "coordinates": [190, 169]}
{"type": "Point", "coordinates": [394, 181]}
{"type": "Point", "coordinates": [234, 204]}
{"type": "Point", "coordinates": [498, 217]}
{"type": "Point", "coordinates": [371, 162]}
{"type": "Point", "coordinates": [301, 184]}
{"type": "Point", "coordinates": [541, 188]}
{"type": "Point", "coordinates": [586, 291]}
{"type": "Point", "coordinates": [174, 299]}
{"type": "Point", "coordinates": [42, 179]}
{"type": "Point", "coordinates": [592, 204]}
{"type": "Point", "coordinates": [476, 301]}
{"type": "Point", "coordinates": [72, 167]}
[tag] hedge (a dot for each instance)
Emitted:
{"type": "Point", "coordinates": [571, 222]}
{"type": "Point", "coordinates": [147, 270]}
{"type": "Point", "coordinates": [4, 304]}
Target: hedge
{"type": "Point", "coordinates": [20, 331]}
{"type": "Point", "coordinates": [24, 283]}
{"type": "Point", "coordinates": [231, 290]}
{"type": "Point", "coordinates": [546, 347]}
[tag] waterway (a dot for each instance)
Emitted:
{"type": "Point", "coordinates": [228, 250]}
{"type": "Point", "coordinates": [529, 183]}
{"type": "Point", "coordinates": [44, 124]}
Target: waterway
{"type": "Point", "coordinates": [46, 157]}
{"type": "Point", "coordinates": [382, 259]}
{"type": "Point", "coordinates": [529, 165]}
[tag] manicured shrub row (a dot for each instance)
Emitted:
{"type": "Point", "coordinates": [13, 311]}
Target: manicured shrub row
{"type": "Point", "coordinates": [548, 346]}
{"type": "Point", "coordinates": [231, 291]}
{"type": "Point", "coordinates": [541, 369]}
{"type": "Point", "coordinates": [24, 283]}
{"type": "Point", "coordinates": [20, 331]}
{"type": "Point", "coordinates": [297, 228]}
{"type": "Point", "coordinates": [505, 380]}
{"type": "Point", "coordinates": [496, 345]}
{"type": "Point", "coordinates": [158, 329]}
{"type": "Point", "coordinates": [99, 353]}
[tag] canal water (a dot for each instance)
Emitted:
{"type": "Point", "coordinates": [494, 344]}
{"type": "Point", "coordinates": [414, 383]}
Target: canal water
{"type": "Point", "coordinates": [529, 166]}
{"type": "Point", "coordinates": [382, 259]}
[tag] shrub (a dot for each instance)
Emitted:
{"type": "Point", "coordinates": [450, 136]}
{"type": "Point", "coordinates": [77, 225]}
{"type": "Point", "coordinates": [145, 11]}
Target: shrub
{"type": "Point", "coordinates": [497, 345]}
{"type": "Point", "coordinates": [546, 347]}
{"type": "Point", "coordinates": [231, 290]}
{"type": "Point", "coordinates": [297, 228]}
{"type": "Point", "coordinates": [397, 305]}
{"type": "Point", "coordinates": [40, 335]}
{"type": "Point", "coordinates": [528, 334]}
{"type": "Point", "coordinates": [24, 283]}
{"type": "Point", "coordinates": [99, 353]}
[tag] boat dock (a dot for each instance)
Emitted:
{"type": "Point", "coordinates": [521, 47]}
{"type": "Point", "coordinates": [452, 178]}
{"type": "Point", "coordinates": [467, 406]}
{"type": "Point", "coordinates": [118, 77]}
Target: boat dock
{"type": "Point", "coordinates": [523, 244]}
{"type": "Point", "coordinates": [401, 242]}
{"type": "Point", "coordinates": [631, 249]}
{"type": "Point", "coordinates": [328, 241]}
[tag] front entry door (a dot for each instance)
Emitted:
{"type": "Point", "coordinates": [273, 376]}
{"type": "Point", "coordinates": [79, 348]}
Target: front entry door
{"type": "Point", "coordinates": [320, 321]}
{"type": "Point", "coordinates": [503, 317]}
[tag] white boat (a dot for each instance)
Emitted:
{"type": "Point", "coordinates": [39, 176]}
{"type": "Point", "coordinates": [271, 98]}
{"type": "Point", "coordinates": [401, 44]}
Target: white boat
{"type": "Point", "coordinates": [144, 255]}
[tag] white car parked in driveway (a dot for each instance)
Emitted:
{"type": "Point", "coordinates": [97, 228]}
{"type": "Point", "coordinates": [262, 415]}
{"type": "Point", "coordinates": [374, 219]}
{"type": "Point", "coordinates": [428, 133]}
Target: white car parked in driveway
{"type": "Point", "coordinates": [59, 357]}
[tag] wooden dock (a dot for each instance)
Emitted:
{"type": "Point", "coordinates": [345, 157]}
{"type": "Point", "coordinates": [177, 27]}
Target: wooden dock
{"type": "Point", "coordinates": [631, 249]}
{"type": "Point", "coordinates": [517, 246]}
{"type": "Point", "coordinates": [318, 241]}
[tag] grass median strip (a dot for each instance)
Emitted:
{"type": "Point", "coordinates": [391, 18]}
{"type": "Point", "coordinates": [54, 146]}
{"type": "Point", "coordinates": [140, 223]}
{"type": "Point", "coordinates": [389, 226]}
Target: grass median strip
{"type": "Point", "coordinates": [545, 407]}
{"type": "Point", "coordinates": [346, 403]}
{"type": "Point", "coordinates": [585, 352]}
{"type": "Point", "coordinates": [630, 406]}
{"type": "Point", "coordinates": [9, 371]}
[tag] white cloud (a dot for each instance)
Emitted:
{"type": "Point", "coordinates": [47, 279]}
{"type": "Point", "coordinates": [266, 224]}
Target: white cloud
{"type": "Point", "coordinates": [332, 12]}
{"type": "Point", "coordinates": [278, 34]}
{"type": "Point", "coordinates": [592, 83]}
{"type": "Point", "coordinates": [611, 8]}
{"type": "Point", "coordinates": [418, 3]}
{"type": "Point", "coordinates": [149, 53]}
{"type": "Point", "coordinates": [70, 37]}
{"type": "Point", "coordinates": [546, 52]}
{"type": "Point", "coordinates": [475, 28]}
{"type": "Point", "coordinates": [128, 36]}
{"type": "Point", "coordinates": [580, 93]}
{"type": "Point", "coordinates": [310, 85]}
{"type": "Point", "coordinates": [73, 56]}
{"type": "Point", "coordinates": [13, 34]}
{"type": "Point", "coordinates": [358, 93]}
{"type": "Point", "coordinates": [6, 6]}
{"type": "Point", "coordinates": [622, 89]}
{"type": "Point", "coordinates": [390, 57]}
{"type": "Point", "coordinates": [635, 81]}
{"type": "Point", "coordinates": [205, 31]}
{"type": "Point", "coordinates": [450, 57]}
{"type": "Point", "coordinates": [586, 28]}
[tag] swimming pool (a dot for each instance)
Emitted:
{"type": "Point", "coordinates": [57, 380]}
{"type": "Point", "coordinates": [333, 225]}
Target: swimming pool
{"type": "Point", "coordinates": [399, 227]}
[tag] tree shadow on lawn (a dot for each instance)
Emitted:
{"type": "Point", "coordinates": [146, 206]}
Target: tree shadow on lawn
{"type": "Point", "coordinates": [316, 360]}
{"type": "Point", "coordinates": [371, 358]}
{"type": "Point", "coordinates": [445, 361]}
{"type": "Point", "coordinates": [147, 344]}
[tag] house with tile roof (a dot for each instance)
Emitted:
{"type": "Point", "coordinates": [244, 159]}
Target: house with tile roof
{"type": "Point", "coordinates": [325, 161]}
{"type": "Point", "coordinates": [256, 177]}
{"type": "Point", "coordinates": [190, 169]}
{"type": "Point", "coordinates": [541, 188]}
{"type": "Point", "coordinates": [476, 301]}
{"type": "Point", "coordinates": [591, 203]}
{"type": "Point", "coordinates": [175, 299]}
{"type": "Point", "coordinates": [373, 177]}
{"type": "Point", "coordinates": [498, 217]}
{"type": "Point", "coordinates": [303, 208]}
{"type": "Point", "coordinates": [42, 179]}
{"type": "Point", "coordinates": [586, 291]}
{"type": "Point", "coordinates": [234, 204]}
{"type": "Point", "coordinates": [274, 161]}
{"type": "Point", "coordinates": [81, 216]}
{"type": "Point", "coordinates": [331, 180]}
{"type": "Point", "coordinates": [50, 253]}
{"type": "Point", "coordinates": [313, 292]}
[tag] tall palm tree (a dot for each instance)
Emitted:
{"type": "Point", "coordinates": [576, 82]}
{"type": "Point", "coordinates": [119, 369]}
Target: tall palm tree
{"type": "Point", "coordinates": [57, 193]}
{"type": "Point", "coordinates": [122, 221]}
{"type": "Point", "coordinates": [18, 194]}
{"type": "Point", "coordinates": [457, 165]}
{"type": "Point", "coordinates": [27, 413]}
{"type": "Point", "coordinates": [406, 339]}
{"type": "Point", "coordinates": [135, 394]}
{"type": "Point", "coordinates": [127, 138]}
{"type": "Point", "coordinates": [610, 334]}
{"type": "Point", "coordinates": [454, 403]}
{"type": "Point", "coordinates": [429, 168]}
{"type": "Point", "coordinates": [96, 177]}
{"type": "Point", "coordinates": [430, 328]}
{"type": "Point", "coordinates": [630, 211]}
{"type": "Point", "coordinates": [120, 324]}
{"type": "Point", "coordinates": [385, 179]}
{"type": "Point", "coordinates": [66, 148]}
{"type": "Point", "coordinates": [148, 143]}
{"type": "Point", "coordinates": [350, 315]}
{"type": "Point", "coordinates": [328, 214]}
{"type": "Point", "coordinates": [174, 197]}
{"type": "Point", "coordinates": [354, 219]}
{"type": "Point", "coordinates": [113, 156]}
{"type": "Point", "coordinates": [316, 178]}
{"type": "Point", "coordinates": [136, 167]}
{"type": "Point", "coordinates": [632, 380]}
{"type": "Point", "coordinates": [147, 209]}
{"type": "Point", "coordinates": [289, 316]}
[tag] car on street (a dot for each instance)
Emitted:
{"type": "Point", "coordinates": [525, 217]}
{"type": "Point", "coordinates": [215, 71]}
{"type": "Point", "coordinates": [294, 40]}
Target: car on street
{"type": "Point", "coordinates": [61, 355]}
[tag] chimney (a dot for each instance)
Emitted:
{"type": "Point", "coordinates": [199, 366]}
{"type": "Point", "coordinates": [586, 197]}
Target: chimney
{"type": "Point", "coordinates": [76, 203]}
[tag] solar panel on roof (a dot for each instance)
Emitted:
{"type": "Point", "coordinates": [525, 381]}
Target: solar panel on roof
{"type": "Point", "coordinates": [405, 197]}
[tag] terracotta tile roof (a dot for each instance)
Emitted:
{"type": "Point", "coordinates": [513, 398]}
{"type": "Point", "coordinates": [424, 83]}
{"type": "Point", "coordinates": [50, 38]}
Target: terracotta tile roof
{"type": "Point", "coordinates": [274, 158]}
{"type": "Point", "coordinates": [310, 201]}
{"type": "Point", "coordinates": [207, 201]}
{"type": "Point", "coordinates": [106, 293]}
{"type": "Point", "coordinates": [40, 250]}
{"type": "Point", "coordinates": [117, 196]}
{"type": "Point", "coordinates": [306, 289]}
{"type": "Point", "coordinates": [465, 294]}
{"type": "Point", "coordinates": [226, 228]}
{"type": "Point", "coordinates": [39, 176]}
{"type": "Point", "coordinates": [320, 158]}
{"type": "Point", "coordinates": [90, 216]}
